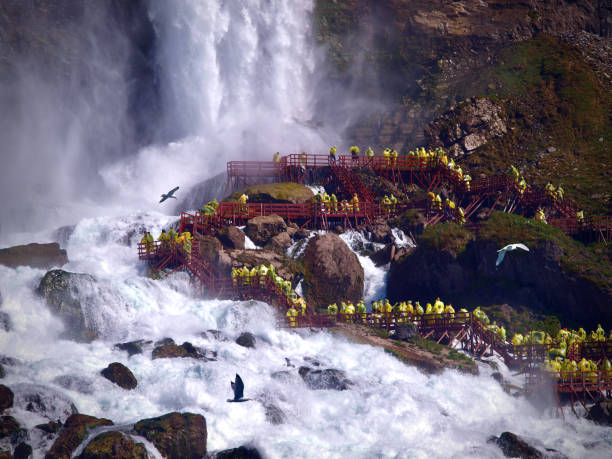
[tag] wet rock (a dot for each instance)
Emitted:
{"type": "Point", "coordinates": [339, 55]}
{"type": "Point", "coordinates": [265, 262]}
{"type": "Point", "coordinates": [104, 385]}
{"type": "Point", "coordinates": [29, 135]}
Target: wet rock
{"type": "Point", "coordinates": [22, 451]}
{"type": "Point", "coordinates": [6, 455]}
{"type": "Point", "coordinates": [246, 339]}
{"type": "Point", "coordinates": [5, 322]}
{"type": "Point", "coordinates": [176, 435]}
{"type": "Point", "coordinates": [210, 247]}
{"type": "Point", "coordinates": [114, 445]}
{"type": "Point", "coordinates": [73, 433]}
{"type": "Point", "coordinates": [242, 452]}
{"type": "Point", "coordinates": [383, 256]}
{"type": "Point", "coordinates": [50, 427]}
{"type": "Point", "coordinates": [302, 233]}
{"type": "Point", "coordinates": [9, 361]}
{"type": "Point", "coordinates": [231, 237]}
{"type": "Point", "coordinates": [75, 383]}
{"type": "Point", "coordinates": [8, 426]}
{"type": "Point", "coordinates": [121, 375]}
{"type": "Point", "coordinates": [261, 229]}
{"type": "Point", "coordinates": [332, 272]}
{"type": "Point", "coordinates": [405, 332]}
{"type": "Point", "coordinates": [132, 347]}
{"type": "Point", "coordinates": [497, 376]}
{"type": "Point", "coordinates": [164, 342]}
{"type": "Point", "coordinates": [312, 361]}
{"type": "Point", "coordinates": [43, 256]}
{"type": "Point", "coordinates": [601, 413]}
{"type": "Point", "coordinates": [44, 401]}
{"type": "Point", "coordinates": [6, 398]}
{"type": "Point", "coordinates": [2, 372]}
{"type": "Point", "coordinates": [381, 232]}
{"type": "Point", "coordinates": [173, 351]}
{"type": "Point", "coordinates": [281, 241]}
{"type": "Point", "coordinates": [514, 446]}
{"type": "Point", "coordinates": [61, 292]}
{"type": "Point", "coordinates": [329, 379]}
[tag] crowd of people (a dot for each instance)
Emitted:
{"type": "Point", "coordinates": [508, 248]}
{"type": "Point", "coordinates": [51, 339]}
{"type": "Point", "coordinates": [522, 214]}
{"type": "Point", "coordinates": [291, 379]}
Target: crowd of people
{"type": "Point", "coordinates": [330, 203]}
{"type": "Point", "coordinates": [168, 240]}
{"type": "Point", "coordinates": [263, 277]}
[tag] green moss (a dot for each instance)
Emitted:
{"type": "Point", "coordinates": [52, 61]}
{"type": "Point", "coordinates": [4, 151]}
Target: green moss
{"type": "Point", "coordinates": [427, 345]}
{"type": "Point", "coordinates": [446, 237]}
{"type": "Point", "coordinates": [285, 192]}
{"type": "Point", "coordinates": [521, 320]}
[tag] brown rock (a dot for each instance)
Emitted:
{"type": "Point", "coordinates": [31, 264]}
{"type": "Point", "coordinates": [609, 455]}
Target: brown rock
{"type": "Point", "coordinates": [6, 398]}
{"type": "Point", "coordinates": [210, 247]}
{"type": "Point", "coordinates": [169, 351]}
{"type": "Point", "coordinates": [281, 241]}
{"type": "Point", "coordinates": [231, 237]}
{"type": "Point", "coordinates": [74, 432]}
{"type": "Point", "coordinates": [8, 426]}
{"type": "Point", "coordinates": [176, 435]}
{"type": "Point", "coordinates": [35, 255]}
{"type": "Point", "coordinates": [114, 445]}
{"type": "Point", "coordinates": [120, 375]}
{"type": "Point", "coordinates": [262, 229]}
{"type": "Point", "coordinates": [332, 271]}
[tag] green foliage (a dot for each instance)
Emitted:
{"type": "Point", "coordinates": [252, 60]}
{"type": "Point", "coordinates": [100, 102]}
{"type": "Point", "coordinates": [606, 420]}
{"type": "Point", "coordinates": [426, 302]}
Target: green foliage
{"type": "Point", "coordinates": [381, 332]}
{"type": "Point", "coordinates": [446, 237]}
{"type": "Point", "coordinates": [285, 192]}
{"type": "Point", "coordinates": [427, 345]}
{"type": "Point", "coordinates": [521, 320]}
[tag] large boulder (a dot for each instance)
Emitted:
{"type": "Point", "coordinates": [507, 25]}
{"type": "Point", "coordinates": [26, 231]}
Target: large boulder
{"type": "Point", "coordinates": [6, 397]}
{"type": "Point", "coordinates": [282, 241]}
{"type": "Point", "coordinates": [242, 452]}
{"type": "Point", "coordinates": [43, 256]}
{"type": "Point", "coordinates": [328, 379]}
{"type": "Point", "coordinates": [176, 435]}
{"type": "Point", "coordinates": [169, 351]}
{"type": "Point", "coordinates": [332, 272]}
{"type": "Point", "coordinates": [246, 339]}
{"type": "Point", "coordinates": [601, 413]}
{"type": "Point", "coordinates": [73, 433]}
{"type": "Point", "coordinates": [231, 237]}
{"type": "Point", "coordinates": [121, 375]}
{"type": "Point", "coordinates": [8, 426]}
{"type": "Point", "coordinates": [262, 229]}
{"type": "Point", "coordinates": [514, 446]}
{"type": "Point", "coordinates": [282, 193]}
{"type": "Point", "coordinates": [61, 292]}
{"type": "Point", "coordinates": [114, 445]}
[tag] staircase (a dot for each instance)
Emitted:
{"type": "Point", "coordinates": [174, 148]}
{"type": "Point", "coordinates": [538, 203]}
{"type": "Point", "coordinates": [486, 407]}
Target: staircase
{"type": "Point", "coordinates": [351, 182]}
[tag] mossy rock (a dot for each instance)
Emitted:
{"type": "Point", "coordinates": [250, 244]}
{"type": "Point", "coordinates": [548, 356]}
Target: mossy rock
{"type": "Point", "coordinates": [286, 192]}
{"type": "Point", "coordinates": [114, 445]}
{"type": "Point", "coordinates": [448, 237]}
{"type": "Point", "coordinates": [74, 432]}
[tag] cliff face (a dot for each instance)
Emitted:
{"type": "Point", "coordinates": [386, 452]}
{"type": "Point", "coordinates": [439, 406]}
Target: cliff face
{"type": "Point", "coordinates": [540, 69]}
{"type": "Point", "coordinates": [557, 276]}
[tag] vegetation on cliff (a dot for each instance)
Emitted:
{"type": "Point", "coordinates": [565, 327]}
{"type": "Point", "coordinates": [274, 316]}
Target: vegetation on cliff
{"type": "Point", "coordinates": [285, 192]}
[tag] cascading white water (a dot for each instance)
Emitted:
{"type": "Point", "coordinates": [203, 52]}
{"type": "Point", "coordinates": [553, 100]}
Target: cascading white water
{"type": "Point", "coordinates": [238, 82]}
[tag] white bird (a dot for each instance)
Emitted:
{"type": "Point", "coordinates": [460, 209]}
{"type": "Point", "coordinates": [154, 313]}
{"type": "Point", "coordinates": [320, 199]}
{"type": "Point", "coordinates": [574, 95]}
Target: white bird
{"type": "Point", "coordinates": [502, 252]}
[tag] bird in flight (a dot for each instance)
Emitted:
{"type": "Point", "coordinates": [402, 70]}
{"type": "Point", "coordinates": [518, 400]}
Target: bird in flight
{"type": "Point", "coordinates": [169, 194]}
{"type": "Point", "coordinates": [502, 252]}
{"type": "Point", "coordinates": [238, 388]}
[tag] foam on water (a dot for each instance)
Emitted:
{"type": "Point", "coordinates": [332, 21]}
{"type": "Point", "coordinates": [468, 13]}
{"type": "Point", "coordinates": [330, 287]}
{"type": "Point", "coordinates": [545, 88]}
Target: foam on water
{"type": "Point", "coordinates": [392, 410]}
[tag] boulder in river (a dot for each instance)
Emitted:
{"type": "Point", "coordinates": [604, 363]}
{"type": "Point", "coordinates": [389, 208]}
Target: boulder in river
{"type": "Point", "coordinates": [246, 339]}
{"type": "Point", "coordinates": [170, 351]}
{"type": "Point", "coordinates": [73, 433]}
{"type": "Point", "coordinates": [175, 435]}
{"type": "Point", "coordinates": [231, 237]}
{"type": "Point", "coordinates": [121, 375]}
{"type": "Point", "coordinates": [332, 272]}
{"type": "Point", "coordinates": [43, 256]}
{"type": "Point", "coordinates": [242, 452]}
{"type": "Point", "coordinates": [329, 379]}
{"type": "Point", "coordinates": [61, 291]}
{"type": "Point", "coordinates": [114, 445]}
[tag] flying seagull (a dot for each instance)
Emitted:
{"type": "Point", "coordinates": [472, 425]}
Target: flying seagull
{"type": "Point", "coordinates": [169, 194]}
{"type": "Point", "coordinates": [238, 388]}
{"type": "Point", "coordinates": [502, 252]}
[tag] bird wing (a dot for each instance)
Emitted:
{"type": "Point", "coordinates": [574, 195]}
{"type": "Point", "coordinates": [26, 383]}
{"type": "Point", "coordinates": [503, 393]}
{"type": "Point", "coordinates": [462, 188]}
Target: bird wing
{"type": "Point", "coordinates": [173, 190]}
{"type": "Point", "coordinates": [238, 388]}
{"type": "Point", "coordinates": [521, 246]}
{"type": "Point", "coordinates": [164, 197]}
{"type": "Point", "coordinates": [500, 257]}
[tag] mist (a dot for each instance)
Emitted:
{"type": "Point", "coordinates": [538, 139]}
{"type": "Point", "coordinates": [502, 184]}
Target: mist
{"type": "Point", "coordinates": [100, 120]}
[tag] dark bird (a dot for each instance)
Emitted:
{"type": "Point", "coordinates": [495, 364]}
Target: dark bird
{"type": "Point", "coordinates": [238, 388]}
{"type": "Point", "coordinates": [169, 194]}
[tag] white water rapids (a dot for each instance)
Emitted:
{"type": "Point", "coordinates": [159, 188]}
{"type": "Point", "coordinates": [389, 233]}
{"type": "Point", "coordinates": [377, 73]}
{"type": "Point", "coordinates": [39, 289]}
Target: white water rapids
{"type": "Point", "coordinates": [238, 81]}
